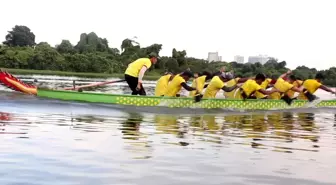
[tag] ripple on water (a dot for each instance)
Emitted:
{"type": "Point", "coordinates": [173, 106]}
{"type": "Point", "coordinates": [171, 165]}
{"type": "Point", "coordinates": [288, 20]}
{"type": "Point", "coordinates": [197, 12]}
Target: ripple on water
{"type": "Point", "coordinates": [55, 145]}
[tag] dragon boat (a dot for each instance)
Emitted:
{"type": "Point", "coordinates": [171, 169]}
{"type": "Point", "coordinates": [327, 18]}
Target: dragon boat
{"type": "Point", "coordinates": [15, 84]}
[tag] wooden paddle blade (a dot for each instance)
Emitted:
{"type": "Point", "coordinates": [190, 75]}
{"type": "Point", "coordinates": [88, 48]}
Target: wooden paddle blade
{"type": "Point", "coordinates": [287, 99]}
{"type": "Point", "coordinates": [310, 96]}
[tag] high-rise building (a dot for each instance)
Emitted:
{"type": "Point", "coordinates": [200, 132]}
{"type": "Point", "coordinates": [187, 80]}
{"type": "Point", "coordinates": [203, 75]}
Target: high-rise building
{"type": "Point", "coordinates": [262, 59]}
{"type": "Point", "coordinates": [214, 57]}
{"type": "Point", "coordinates": [238, 59]}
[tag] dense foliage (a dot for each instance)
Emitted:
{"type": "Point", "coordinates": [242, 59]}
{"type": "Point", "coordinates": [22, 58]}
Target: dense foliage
{"type": "Point", "coordinates": [93, 54]}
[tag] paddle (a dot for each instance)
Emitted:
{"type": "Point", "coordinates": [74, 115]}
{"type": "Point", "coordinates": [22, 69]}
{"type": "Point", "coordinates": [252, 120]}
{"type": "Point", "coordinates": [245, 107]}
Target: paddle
{"type": "Point", "coordinates": [92, 85]}
{"type": "Point", "coordinates": [287, 99]}
{"type": "Point", "coordinates": [198, 97]}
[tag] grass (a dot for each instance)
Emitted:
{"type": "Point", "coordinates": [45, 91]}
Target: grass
{"type": "Point", "coordinates": [148, 76]}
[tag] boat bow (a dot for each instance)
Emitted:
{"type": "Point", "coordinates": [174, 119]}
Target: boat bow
{"type": "Point", "coordinates": [15, 84]}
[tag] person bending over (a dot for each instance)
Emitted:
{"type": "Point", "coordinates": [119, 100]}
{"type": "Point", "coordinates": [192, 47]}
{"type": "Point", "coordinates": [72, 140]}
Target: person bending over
{"type": "Point", "coordinates": [199, 82]}
{"type": "Point", "coordinates": [179, 81]}
{"type": "Point", "coordinates": [216, 84]}
{"type": "Point", "coordinates": [135, 72]}
{"type": "Point", "coordinates": [310, 86]}
{"type": "Point", "coordinates": [284, 84]}
{"type": "Point", "coordinates": [234, 81]}
{"type": "Point", "coordinates": [162, 84]}
{"type": "Point", "coordinates": [251, 86]}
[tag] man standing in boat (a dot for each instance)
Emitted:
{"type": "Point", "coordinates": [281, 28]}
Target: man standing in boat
{"type": "Point", "coordinates": [135, 72]}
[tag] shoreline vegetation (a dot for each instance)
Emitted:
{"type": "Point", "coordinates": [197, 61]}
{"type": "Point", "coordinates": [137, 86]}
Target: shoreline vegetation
{"type": "Point", "coordinates": [93, 57]}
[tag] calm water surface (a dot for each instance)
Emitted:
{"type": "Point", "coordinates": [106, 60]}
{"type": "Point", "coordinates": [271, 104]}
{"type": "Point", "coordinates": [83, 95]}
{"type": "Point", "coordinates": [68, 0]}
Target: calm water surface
{"type": "Point", "coordinates": [53, 142]}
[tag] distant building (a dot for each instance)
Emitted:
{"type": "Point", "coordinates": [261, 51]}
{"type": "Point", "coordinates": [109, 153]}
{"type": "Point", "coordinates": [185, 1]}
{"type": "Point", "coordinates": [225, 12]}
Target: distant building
{"type": "Point", "coordinates": [238, 59]}
{"type": "Point", "coordinates": [262, 59]}
{"type": "Point", "coordinates": [213, 56]}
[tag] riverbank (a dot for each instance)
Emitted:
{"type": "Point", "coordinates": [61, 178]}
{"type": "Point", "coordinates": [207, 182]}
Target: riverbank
{"type": "Point", "coordinates": [148, 76]}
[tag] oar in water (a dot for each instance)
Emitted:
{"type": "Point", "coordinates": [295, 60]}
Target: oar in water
{"type": "Point", "coordinates": [198, 97]}
{"type": "Point", "coordinates": [93, 85]}
{"type": "Point", "coordinates": [289, 100]}
{"type": "Point", "coordinates": [314, 100]}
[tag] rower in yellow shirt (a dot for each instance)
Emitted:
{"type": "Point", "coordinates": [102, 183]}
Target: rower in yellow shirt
{"type": "Point", "coordinates": [135, 72]}
{"type": "Point", "coordinates": [231, 83]}
{"type": "Point", "coordinates": [199, 82]}
{"type": "Point", "coordinates": [264, 85]}
{"type": "Point", "coordinates": [217, 83]}
{"type": "Point", "coordinates": [284, 84]}
{"type": "Point", "coordinates": [177, 83]}
{"type": "Point", "coordinates": [297, 83]}
{"type": "Point", "coordinates": [251, 86]}
{"type": "Point", "coordinates": [310, 86]}
{"type": "Point", "coordinates": [162, 84]}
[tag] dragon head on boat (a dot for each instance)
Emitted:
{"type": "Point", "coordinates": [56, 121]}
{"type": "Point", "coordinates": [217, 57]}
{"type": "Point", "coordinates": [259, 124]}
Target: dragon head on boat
{"type": "Point", "coordinates": [15, 84]}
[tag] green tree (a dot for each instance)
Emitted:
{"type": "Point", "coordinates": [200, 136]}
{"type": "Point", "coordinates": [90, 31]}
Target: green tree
{"type": "Point", "coordinates": [282, 64]}
{"type": "Point", "coordinates": [271, 63]}
{"type": "Point", "coordinates": [113, 51]}
{"type": "Point", "coordinates": [179, 56]}
{"type": "Point", "coordinates": [172, 65]}
{"type": "Point", "coordinates": [46, 57]}
{"type": "Point", "coordinates": [65, 47]}
{"type": "Point", "coordinates": [156, 48]}
{"type": "Point", "coordinates": [20, 36]}
{"type": "Point", "coordinates": [77, 62]}
{"type": "Point", "coordinates": [127, 43]}
{"type": "Point", "coordinates": [90, 43]}
{"type": "Point", "coordinates": [15, 57]}
{"type": "Point", "coordinates": [304, 72]}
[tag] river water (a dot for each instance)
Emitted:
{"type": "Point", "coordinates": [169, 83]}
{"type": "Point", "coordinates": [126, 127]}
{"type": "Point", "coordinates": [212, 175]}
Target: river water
{"type": "Point", "coordinates": [54, 142]}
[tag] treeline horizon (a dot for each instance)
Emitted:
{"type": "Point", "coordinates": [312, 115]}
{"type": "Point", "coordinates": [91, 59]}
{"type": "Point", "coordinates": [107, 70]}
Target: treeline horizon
{"type": "Point", "coordinates": [92, 54]}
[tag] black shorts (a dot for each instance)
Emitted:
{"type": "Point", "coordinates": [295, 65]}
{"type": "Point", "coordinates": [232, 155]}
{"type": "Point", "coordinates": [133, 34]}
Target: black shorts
{"type": "Point", "coordinates": [133, 83]}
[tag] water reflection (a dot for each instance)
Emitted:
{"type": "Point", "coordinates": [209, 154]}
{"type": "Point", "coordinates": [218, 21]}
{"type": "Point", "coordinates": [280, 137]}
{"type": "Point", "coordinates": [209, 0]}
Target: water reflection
{"type": "Point", "coordinates": [130, 127]}
{"type": "Point", "coordinates": [167, 124]}
{"type": "Point", "coordinates": [284, 131]}
{"type": "Point", "coordinates": [208, 129]}
{"type": "Point", "coordinates": [8, 120]}
{"type": "Point", "coordinates": [137, 141]}
{"type": "Point", "coordinates": [184, 145]}
{"type": "Point", "coordinates": [87, 123]}
{"type": "Point", "coordinates": [4, 116]}
{"type": "Point", "coordinates": [171, 125]}
{"type": "Point", "coordinates": [277, 131]}
{"type": "Point", "coordinates": [307, 121]}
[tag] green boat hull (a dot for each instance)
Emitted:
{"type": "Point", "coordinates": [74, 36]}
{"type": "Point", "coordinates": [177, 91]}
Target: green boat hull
{"type": "Point", "coordinates": [174, 102]}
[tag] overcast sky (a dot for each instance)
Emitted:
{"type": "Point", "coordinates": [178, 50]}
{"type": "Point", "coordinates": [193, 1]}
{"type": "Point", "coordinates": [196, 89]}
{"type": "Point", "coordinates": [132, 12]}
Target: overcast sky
{"type": "Point", "coordinates": [301, 32]}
